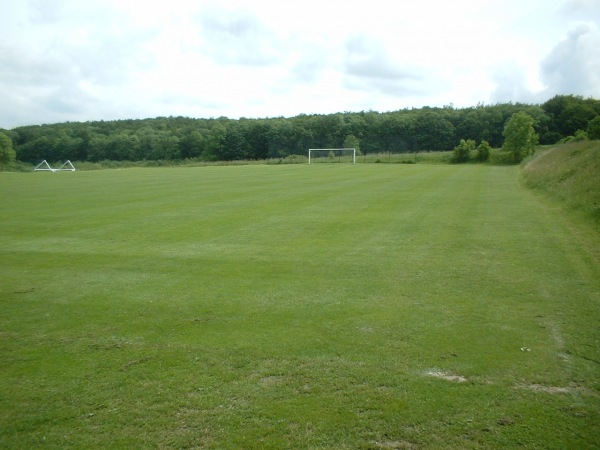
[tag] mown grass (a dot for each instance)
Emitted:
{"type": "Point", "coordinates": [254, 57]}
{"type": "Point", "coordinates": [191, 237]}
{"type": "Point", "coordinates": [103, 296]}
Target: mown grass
{"type": "Point", "coordinates": [294, 306]}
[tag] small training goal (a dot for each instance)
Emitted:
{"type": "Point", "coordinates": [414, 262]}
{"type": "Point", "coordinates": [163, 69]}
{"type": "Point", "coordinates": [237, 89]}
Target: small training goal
{"type": "Point", "coordinates": [44, 166]}
{"type": "Point", "coordinates": [332, 155]}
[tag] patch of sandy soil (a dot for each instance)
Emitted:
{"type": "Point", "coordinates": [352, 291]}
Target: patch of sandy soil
{"type": "Point", "coordinates": [437, 373]}
{"type": "Point", "coordinates": [548, 389]}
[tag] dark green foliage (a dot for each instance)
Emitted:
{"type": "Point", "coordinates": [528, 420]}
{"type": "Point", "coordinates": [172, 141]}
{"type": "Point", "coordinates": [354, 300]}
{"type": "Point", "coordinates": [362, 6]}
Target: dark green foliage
{"type": "Point", "coordinates": [7, 153]}
{"type": "Point", "coordinates": [402, 131]}
{"type": "Point", "coordinates": [593, 129]}
{"type": "Point", "coordinates": [569, 113]}
{"type": "Point", "coordinates": [434, 131]}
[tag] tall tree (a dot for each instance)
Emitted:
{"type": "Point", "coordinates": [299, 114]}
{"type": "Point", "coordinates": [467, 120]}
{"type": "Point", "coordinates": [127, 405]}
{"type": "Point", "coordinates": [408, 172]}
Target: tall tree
{"type": "Point", "coordinates": [352, 141]}
{"type": "Point", "coordinates": [7, 153]}
{"type": "Point", "coordinates": [520, 137]}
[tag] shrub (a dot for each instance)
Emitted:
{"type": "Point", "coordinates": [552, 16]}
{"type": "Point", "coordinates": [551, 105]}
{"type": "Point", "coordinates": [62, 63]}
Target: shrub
{"type": "Point", "coordinates": [483, 151]}
{"type": "Point", "coordinates": [580, 135]}
{"type": "Point", "coordinates": [462, 152]}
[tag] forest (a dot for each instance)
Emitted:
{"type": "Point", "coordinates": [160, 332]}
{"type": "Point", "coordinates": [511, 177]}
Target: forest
{"type": "Point", "coordinates": [224, 139]}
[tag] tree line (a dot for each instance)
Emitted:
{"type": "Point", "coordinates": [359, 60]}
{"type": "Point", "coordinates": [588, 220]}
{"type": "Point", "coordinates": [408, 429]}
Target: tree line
{"type": "Point", "coordinates": [224, 139]}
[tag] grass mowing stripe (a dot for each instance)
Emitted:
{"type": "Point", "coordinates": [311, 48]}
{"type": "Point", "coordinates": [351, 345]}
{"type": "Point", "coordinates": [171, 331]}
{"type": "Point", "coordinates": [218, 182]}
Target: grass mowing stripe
{"type": "Point", "coordinates": [290, 306]}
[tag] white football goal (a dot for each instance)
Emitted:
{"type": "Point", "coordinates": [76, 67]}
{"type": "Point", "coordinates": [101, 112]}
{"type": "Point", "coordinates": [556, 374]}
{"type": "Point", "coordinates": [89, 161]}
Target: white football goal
{"type": "Point", "coordinates": [44, 166]}
{"type": "Point", "coordinates": [332, 155]}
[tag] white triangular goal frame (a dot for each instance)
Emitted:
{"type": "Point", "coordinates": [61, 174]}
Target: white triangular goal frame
{"type": "Point", "coordinates": [68, 166]}
{"type": "Point", "coordinates": [44, 166]}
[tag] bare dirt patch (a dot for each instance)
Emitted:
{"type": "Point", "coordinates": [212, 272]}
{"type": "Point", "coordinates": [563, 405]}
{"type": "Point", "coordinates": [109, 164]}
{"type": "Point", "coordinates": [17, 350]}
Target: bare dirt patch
{"type": "Point", "coordinates": [395, 445]}
{"type": "Point", "coordinates": [444, 375]}
{"type": "Point", "coordinates": [548, 389]}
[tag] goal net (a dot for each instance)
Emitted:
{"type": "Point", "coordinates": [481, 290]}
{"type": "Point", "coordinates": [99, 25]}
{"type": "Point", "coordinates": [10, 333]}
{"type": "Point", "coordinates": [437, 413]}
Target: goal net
{"type": "Point", "coordinates": [332, 155]}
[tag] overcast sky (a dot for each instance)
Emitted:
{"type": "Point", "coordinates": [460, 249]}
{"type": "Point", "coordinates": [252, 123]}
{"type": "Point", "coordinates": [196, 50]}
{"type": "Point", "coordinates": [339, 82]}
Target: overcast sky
{"type": "Point", "coordinates": [76, 60]}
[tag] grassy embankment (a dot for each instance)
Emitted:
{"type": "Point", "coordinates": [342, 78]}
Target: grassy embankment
{"type": "Point", "coordinates": [570, 175]}
{"type": "Point", "coordinates": [334, 306]}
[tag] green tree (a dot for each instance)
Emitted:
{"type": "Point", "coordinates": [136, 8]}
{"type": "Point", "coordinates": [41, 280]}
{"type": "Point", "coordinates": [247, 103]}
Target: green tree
{"type": "Point", "coordinates": [462, 152]}
{"type": "Point", "coordinates": [352, 141]}
{"type": "Point", "coordinates": [470, 125]}
{"type": "Point", "coordinates": [483, 151]}
{"type": "Point", "coordinates": [520, 138]}
{"type": "Point", "coordinates": [433, 131]}
{"type": "Point", "coordinates": [575, 117]}
{"type": "Point", "coordinates": [7, 153]}
{"type": "Point", "coordinates": [593, 129]}
{"type": "Point", "coordinates": [215, 141]}
{"type": "Point", "coordinates": [570, 113]}
{"type": "Point", "coordinates": [192, 144]}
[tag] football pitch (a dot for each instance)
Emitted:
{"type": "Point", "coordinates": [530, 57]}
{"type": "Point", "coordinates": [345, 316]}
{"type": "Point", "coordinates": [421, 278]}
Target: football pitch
{"type": "Point", "coordinates": [295, 306]}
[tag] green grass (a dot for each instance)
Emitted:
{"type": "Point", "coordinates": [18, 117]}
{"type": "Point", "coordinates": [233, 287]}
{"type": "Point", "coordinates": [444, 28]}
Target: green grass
{"type": "Point", "coordinates": [295, 306]}
{"type": "Point", "coordinates": [570, 175]}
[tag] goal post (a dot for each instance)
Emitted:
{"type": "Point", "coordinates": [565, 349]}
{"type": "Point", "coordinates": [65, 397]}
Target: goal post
{"type": "Point", "coordinates": [67, 166]}
{"type": "Point", "coordinates": [44, 166]}
{"type": "Point", "coordinates": [312, 152]}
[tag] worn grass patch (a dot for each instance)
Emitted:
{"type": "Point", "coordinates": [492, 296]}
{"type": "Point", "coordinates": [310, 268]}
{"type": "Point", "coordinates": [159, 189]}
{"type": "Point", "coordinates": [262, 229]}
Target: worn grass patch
{"type": "Point", "coordinates": [294, 307]}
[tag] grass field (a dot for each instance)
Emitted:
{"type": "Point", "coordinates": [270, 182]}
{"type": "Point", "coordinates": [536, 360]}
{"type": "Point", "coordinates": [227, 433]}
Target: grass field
{"type": "Point", "coordinates": [329, 306]}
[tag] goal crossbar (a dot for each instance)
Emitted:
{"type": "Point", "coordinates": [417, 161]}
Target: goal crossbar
{"type": "Point", "coordinates": [311, 150]}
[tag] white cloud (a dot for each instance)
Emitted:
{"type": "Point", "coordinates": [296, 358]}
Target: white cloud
{"type": "Point", "coordinates": [512, 85]}
{"type": "Point", "coordinates": [573, 65]}
{"type": "Point", "coordinates": [368, 68]}
{"type": "Point", "coordinates": [237, 37]}
{"type": "Point", "coordinates": [581, 10]}
{"type": "Point", "coordinates": [366, 57]}
{"type": "Point", "coordinates": [108, 59]}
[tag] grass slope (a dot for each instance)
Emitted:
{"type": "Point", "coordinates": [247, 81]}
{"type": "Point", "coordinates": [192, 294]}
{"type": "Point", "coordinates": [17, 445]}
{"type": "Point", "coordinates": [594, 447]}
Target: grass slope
{"type": "Point", "coordinates": [569, 174]}
{"type": "Point", "coordinates": [330, 306]}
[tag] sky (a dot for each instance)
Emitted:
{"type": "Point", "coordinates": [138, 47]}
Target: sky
{"type": "Point", "coordinates": [74, 60]}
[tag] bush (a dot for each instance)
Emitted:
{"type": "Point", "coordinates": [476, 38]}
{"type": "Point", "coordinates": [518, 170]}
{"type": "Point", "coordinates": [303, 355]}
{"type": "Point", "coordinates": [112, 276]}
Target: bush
{"type": "Point", "coordinates": [483, 151]}
{"type": "Point", "coordinates": [580, 135]}
{"type": "Point", "coordinates": [462, 152]}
